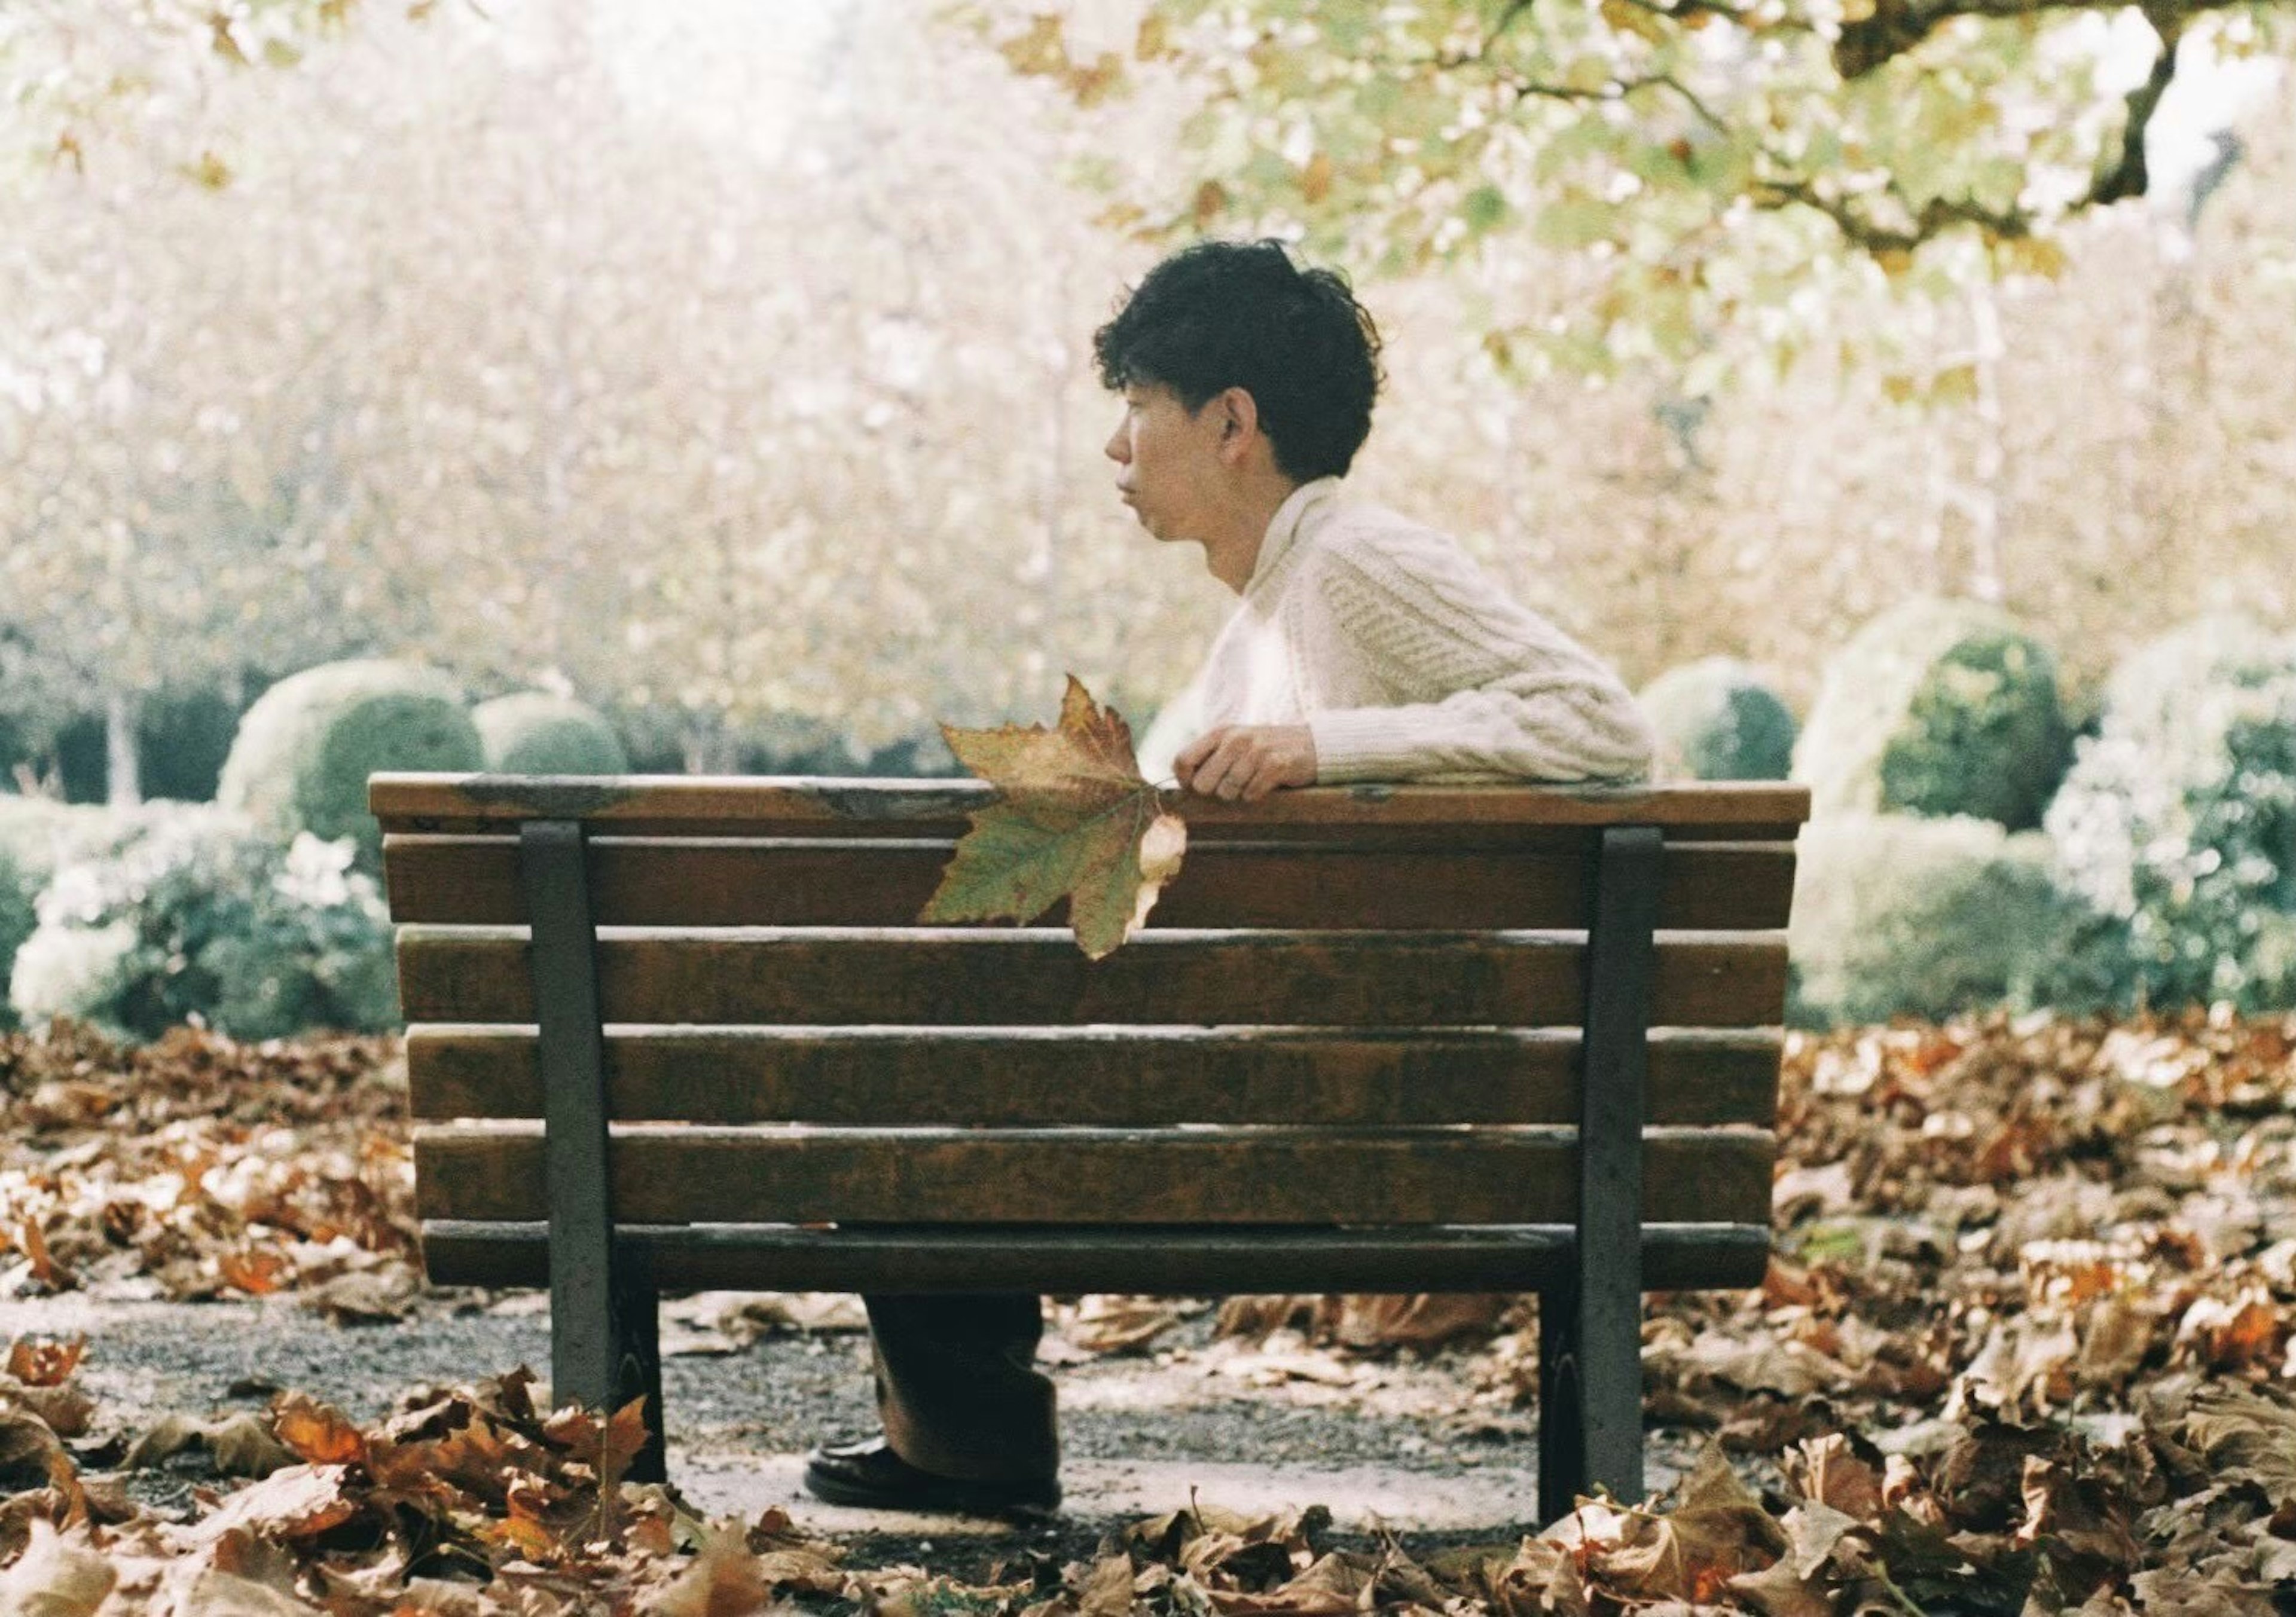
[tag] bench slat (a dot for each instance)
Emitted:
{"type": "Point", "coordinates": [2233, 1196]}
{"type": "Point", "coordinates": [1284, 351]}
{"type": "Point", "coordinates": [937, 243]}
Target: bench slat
{"type": "Point", "coordinates": [1176, 1261]}
{"type": "Point", "coordinates": [1014, 1077]}
{"type": "Point", "coordinates": [817, 882]}
{"type": "Point", "coordinates": [686, 1174]}
{"type": "Point", "coordinates": [435, 801]}
{"type": "Point", "coordinates": [984, 976]}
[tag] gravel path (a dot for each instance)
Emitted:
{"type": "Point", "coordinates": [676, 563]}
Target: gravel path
{"type": "Point", "coordinates": [1408, 1441]}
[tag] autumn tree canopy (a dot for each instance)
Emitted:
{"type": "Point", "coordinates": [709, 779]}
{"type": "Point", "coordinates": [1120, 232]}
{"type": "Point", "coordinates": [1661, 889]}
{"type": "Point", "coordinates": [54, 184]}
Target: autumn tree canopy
{"type": "Point", "coordinates": [1718, 157]}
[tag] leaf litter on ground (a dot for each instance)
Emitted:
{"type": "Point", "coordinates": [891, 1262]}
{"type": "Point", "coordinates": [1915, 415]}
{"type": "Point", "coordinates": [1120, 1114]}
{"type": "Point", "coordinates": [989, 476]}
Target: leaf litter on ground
{"type": "Point", "coordinates": [2026, 1346]}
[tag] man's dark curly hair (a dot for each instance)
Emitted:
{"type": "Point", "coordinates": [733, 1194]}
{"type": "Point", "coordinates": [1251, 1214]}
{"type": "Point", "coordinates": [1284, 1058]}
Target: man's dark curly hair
{"type": "Point", "coordinates": [1223, 314]}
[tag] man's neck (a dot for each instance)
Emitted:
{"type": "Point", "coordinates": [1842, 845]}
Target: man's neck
{"type": "Point", "coordinates": [1231, 551]}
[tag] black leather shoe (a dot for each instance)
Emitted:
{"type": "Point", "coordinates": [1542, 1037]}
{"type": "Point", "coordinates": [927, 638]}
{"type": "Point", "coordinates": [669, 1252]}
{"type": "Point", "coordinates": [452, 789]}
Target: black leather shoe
{"type": "Point", "coordinates": [871, 1476]}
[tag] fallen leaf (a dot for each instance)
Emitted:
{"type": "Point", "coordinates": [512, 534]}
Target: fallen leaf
{"type": "Point", "coordinates": [295, 1502]}
{"type": "Point", "coordinates": [317, 1433]}
{"type": "Point", "coordinates": [56, 1576]}
{"type": "Point", "coordinates": [724, 1581]}
{"type": "Point", "coordinates": [42, 1362]}
{"type": "Point", "coordinates": [239, 1444]}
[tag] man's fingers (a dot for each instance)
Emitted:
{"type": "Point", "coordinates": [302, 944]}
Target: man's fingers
{"type": "Point", "coordinates": [1191, 758]}
{"type": "Point", "coordinates": [1222, 774]}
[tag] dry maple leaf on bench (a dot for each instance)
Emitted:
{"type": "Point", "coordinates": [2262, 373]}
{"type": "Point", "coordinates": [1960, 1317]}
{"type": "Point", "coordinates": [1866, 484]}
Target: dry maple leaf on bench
{"type": "Point", "coordinates": [1073, 819]}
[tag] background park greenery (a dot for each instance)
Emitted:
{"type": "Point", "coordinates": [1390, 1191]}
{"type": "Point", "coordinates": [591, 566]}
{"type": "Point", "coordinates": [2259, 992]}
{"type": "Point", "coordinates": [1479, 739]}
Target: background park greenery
{"type": "Point", "coordinates": [1856, 373]}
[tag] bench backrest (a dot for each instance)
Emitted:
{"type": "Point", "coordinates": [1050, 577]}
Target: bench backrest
{"type": "Point", "coordinates": [1355, 1006]}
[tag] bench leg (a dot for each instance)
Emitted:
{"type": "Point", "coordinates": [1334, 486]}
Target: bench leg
{"type": "Point", "coordinates": [1590, 1328]}
{"type": "Point", "coordinates": [604, 1315]}
{"type": "Point", "coordinates": [638, 1309]}
{"type": "Point", "coordinates": [1590, 1398]}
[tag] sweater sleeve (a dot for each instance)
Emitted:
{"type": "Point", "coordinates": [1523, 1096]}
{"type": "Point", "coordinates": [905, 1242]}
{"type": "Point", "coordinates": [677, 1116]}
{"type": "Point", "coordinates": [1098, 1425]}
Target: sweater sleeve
{"type": "Point", "coordinates": [1502, 691]}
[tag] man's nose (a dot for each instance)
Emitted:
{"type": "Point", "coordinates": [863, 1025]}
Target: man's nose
{"type": "Point", "coordinates": [1119, 447]}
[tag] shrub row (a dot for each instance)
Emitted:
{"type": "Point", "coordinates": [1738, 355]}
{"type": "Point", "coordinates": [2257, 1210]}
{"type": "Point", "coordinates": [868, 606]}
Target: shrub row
{"type": "Point", "coordinates": [2164, 870]}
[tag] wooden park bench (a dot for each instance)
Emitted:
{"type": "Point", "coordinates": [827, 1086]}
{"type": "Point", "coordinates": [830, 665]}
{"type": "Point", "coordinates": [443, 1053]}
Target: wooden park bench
{"type": "Point", "coordinates": [1375, 1040]}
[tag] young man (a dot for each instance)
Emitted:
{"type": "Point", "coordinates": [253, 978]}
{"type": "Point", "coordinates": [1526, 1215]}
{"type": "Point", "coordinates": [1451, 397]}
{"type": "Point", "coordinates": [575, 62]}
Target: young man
{"type": "Point", "coordinates": [1366, 648]}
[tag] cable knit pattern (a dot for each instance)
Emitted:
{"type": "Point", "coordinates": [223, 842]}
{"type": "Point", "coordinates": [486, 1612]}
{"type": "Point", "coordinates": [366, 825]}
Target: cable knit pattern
{"type": "Point", "coordinates": [1404, 660]}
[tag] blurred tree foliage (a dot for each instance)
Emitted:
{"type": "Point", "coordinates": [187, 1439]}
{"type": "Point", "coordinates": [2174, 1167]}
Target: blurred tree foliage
{"type": "Point", "coordinates": [749, 389]}
{"type": "Point", "coordinates": [1731, 166]}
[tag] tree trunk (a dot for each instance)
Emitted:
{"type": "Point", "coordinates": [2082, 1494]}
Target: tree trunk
{"type": "Point", "coordinates": [123, 780]}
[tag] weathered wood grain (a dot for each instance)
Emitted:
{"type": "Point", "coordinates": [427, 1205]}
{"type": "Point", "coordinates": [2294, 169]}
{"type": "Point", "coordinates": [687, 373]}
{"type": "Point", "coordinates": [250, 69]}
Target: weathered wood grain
{"type": "Point", "coordinates": [422, 802]}
{"type": "Point", "coordinates": [1167, 1259]}
{"type": "Point", "coordinates": [674, 1175]}
{"type": "Point", "coordinates": [1061, 1077]}
{"type": "Point", "coordinates": [820, 882]}
{"type": "Point", "coordinates": [1036, 977]}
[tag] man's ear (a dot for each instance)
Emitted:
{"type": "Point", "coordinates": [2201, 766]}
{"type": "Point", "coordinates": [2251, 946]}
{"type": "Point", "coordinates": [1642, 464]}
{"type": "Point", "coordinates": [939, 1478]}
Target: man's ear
{"type": "Point", "coordinates": [1239, 419]}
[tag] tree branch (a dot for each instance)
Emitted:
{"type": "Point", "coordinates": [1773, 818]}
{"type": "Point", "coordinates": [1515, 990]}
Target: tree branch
{"type": "Point", "coordinates": [1897, 26]}
{"type": "Point", "coordinates": [2123, 177]}
{"type": "Point", "coordinates": [1861, 229]}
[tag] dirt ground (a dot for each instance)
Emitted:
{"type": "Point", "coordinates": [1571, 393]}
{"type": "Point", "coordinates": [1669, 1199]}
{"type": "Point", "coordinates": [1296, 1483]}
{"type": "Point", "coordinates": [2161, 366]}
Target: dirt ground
{"type": "Point", "coordinates": [1407, 1443]}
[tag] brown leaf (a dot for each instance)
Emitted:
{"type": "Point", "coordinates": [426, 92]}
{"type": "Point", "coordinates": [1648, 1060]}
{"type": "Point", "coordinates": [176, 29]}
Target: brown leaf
{"type": "Point", "coordinates": [1829, 1472]}
{"type": "Point", "coordinates": [29, 1453]}
{"type": "Point", "coordinates": [240, 1444]}
{"type": "Point", "coordinates": [42, 1362]}
{"type": "Point", "coordinates": [1108, 1324]}
{"type": "Point", "coordinates": [257, 1270]}
{"type": "Point", "coordinates": [56, 1576]}
{"type": "Point", "coordinates": [1107, 1590]}
{"type": "Point", "coordinates": [724, 1581]}
{"type": "Point", "coordinates": [68, 1410]}
{"type": "Point", "coordinates": [1779, 1590]}
{"type": "Point", "coordinates": [1073, 819]}
{"type": "Point", "coordinates": [216, 1593]}
{"type": "Point", "coordinates": [297, 1502]}
{"type": "Point", "coordinates": [317, 1433]}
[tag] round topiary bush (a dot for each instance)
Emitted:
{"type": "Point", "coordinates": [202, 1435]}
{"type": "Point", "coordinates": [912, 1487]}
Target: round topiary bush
{"type": "Point", "coordinates": [1717, 721]}
{"type": "Point", "coordinates": [206, 915]}
{"type": "Point", "coordinates": [40, 836]}
{"type": "Point", "coordinates": [1936, 707]}
{"type": "Point", "coordinates": [536, 733]}
{"type": "Point", "coordinates": [305, 750]}
{"type": "Point", "coordinates": [1900, 915]}
{"type": "Point", "coordinates": [2179, 818]}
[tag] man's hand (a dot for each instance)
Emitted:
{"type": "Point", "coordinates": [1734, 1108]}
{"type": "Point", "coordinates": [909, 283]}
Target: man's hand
{"type": "Point", "coordinates": [1247, 761]}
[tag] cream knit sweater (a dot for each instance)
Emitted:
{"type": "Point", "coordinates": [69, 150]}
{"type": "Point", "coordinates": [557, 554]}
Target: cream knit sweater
{"type": "Point", "coordinates": [1405, 661]}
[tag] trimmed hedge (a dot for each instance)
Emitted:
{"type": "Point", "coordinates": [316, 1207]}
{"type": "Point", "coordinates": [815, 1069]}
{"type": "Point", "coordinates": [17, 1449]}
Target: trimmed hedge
{"type": "Point", "coordinates": [2179, 819]}
{"type": "Point", "coordinates": [1936, 707]}
{"type": "Point", "coordinates": [304, 751]}
{"type": "Point", "coordinates": [206, 916]}
{"type": "Point", "coordinates": [536, 733]}
{"type": "Point", "coordinates": [1902, 915]}
{"type": "Point", "coordinates": [1718, 720]}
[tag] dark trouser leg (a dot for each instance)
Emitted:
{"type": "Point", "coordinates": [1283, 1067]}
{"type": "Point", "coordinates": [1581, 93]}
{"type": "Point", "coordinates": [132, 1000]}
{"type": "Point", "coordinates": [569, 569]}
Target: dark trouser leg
{"type": "Point", "coordinates": [957, 1388]}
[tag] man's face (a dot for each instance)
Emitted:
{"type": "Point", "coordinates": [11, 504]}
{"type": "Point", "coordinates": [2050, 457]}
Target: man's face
{"type": "Point", "coordinates": [1166, 460]}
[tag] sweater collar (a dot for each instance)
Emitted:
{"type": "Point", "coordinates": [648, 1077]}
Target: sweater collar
{"type": "Point", "coordinates": [1302, 511]}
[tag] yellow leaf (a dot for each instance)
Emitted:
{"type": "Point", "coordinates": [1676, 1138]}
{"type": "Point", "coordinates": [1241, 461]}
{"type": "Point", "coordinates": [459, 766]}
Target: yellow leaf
{"type": "Point", "coordinates": [1316, 180]}
{"type": "Point", "coordinates": [1211, 197]}
{"type": "Point", "coordinates": [1074, 819]}
{"type": "Point", "coordinates": [1627, 18]}
{"type": "Point", "coordinates": [2031, 256]}
{"type": "Point", "coordinates": [1041, 49]}
{"type": "Point", "coordinates": [1954, 385]}
{"type": "Point", "coordinates": [221, 37]}
{"type": "Point", "coordinates": [211, 171]}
